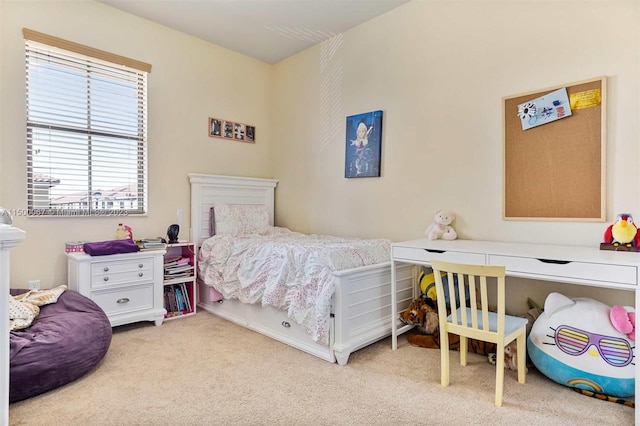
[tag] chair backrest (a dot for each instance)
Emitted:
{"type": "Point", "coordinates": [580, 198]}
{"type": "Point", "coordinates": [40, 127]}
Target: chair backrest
{"type": "Point", "coordinates": [471, 279]}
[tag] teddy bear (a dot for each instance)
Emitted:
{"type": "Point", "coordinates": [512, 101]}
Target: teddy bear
{"type": "Point", "coordinates": [441, 226]}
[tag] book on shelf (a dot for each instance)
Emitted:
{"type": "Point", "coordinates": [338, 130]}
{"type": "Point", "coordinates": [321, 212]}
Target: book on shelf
{"type": "Point", "coordinates": [176, 300]}
{"type": "Point", "coordinates": [151, 244]}
{"type": "Point", "coordinates": [180, 275]}
{"type": "Point", "coordinates": [179, 298]}
{"type": "Point", "coordinates": [169, 299]}
{"type": "Point", "coordinates": [187, 300]}
{"type": "Point", "coordinates": [179, 261]}
{"type": "Point", "coordinates": [178, 269]}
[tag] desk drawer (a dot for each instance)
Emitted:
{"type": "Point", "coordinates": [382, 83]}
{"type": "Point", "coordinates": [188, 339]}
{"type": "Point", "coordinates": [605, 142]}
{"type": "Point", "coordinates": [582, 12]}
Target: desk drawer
{"type": "Point", "coordinates": [529, 267]}
{"type": "Point", "coordinates": [415, 254]}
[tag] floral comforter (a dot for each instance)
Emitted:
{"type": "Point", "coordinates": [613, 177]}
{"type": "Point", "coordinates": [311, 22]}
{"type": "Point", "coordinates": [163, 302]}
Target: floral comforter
{"type": "Point", "coordinates": [287, 270]}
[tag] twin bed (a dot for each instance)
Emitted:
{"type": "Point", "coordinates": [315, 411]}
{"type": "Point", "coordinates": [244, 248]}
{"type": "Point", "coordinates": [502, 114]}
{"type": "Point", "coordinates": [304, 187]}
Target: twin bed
{"type": "Point", "coordinates": [326, 296]}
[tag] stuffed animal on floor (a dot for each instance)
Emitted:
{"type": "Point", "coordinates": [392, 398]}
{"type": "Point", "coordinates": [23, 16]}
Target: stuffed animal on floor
{"type": "Point", "coordinates": [423, 312]}
{"type": "Point", "coordinates": [585, 344]}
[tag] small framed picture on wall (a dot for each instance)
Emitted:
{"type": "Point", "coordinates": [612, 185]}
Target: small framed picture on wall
{"type": "Point", "coordinates": [239, 130]}
{"type": "Point", "coordinates": [251, 134]}
{"type": "Point", "coordinates": [226, 129]}
{"type": "Point", "coordinates": [215, 127]}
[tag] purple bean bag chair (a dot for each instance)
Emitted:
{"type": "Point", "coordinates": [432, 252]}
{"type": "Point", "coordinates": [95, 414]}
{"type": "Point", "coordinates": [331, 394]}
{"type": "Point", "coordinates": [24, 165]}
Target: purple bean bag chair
{"type": "Point", "coordinates": [65, 341]}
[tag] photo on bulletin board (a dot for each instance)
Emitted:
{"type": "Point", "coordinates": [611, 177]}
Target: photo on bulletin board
{"type": "Point", "coordinates": [363, 145]}
{"type": "Point", "coordinates": [554, 164]}
{"type": "Point", "coordinates": [544, 109]}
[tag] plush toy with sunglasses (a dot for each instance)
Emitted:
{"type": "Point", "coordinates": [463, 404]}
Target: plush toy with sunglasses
{"type": "Point", "coordinates": [585, 344]}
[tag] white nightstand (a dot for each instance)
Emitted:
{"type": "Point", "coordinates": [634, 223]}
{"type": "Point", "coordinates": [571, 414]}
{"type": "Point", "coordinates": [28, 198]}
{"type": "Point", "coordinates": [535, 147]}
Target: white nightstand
{"type": "Point", "coordinates": [128, 287]}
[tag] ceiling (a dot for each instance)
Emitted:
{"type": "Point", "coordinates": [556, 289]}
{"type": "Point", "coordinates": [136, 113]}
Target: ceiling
{"type": "Point", "coordinates": [267, 30]}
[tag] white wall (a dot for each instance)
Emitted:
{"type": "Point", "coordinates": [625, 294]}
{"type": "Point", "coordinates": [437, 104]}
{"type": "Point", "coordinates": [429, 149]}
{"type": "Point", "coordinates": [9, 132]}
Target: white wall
{"type": "Point", "coordinates": [190, 81]}
{"type": "Point", "coordinates": [439, 71]}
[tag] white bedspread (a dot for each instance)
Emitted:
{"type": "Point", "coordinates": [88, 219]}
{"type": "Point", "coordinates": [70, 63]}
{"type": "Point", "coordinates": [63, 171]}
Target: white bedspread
{"type": "Point", "coordinates": [285, 269]}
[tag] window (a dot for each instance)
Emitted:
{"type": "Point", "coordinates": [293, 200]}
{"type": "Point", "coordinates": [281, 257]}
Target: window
{"type": "Point", "coordinates": [86, 130]}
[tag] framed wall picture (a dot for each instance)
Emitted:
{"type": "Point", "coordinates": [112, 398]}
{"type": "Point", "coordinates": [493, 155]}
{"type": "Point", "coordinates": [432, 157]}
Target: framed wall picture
{"type": "Point", "coordinates": [215, 127]}
{"type": "Point", "coordinates": [225, 129]}
{"type": "Point", "coordinates": [238, 131]}
{"type": "Point", "coordinates": [251, 134]}
{"type": "Point", "coordinates": [363, 145]}
{"type": "Point", "coordinates": [228, 130]}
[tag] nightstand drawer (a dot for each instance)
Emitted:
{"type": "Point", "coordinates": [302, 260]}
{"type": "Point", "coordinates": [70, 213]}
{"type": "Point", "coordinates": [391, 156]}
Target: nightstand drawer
{"type": "Point", "coordinates": [124, 300]}
{"type": "Point", "coordinates": [106, 274]}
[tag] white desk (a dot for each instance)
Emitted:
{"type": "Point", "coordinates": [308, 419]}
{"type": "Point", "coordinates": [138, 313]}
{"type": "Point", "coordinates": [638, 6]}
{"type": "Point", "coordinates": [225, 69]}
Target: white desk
{"type": "Point", "coordinates": [9, 238]}
{"type": "Point", "coordinates": [570, 264]}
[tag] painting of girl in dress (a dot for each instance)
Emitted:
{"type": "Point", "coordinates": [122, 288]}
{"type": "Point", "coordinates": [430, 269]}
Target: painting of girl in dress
{"type": "Point", "coordinates": [364, 141]}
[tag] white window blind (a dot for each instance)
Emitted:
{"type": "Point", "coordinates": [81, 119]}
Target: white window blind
{"type": "Point", "coordinates": [86, 133]}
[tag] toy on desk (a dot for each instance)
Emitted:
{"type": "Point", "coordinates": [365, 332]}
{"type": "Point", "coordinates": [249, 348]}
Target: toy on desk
{"type": "Point", "coordinates": [441, 226]}
{"type": "Point", "coordinates": [585, 344]}
{"type": "Point", "coordinates": [623, 231]}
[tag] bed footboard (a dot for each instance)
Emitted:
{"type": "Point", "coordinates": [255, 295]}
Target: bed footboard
{"type": "Point", "coordinates": [362, 305]}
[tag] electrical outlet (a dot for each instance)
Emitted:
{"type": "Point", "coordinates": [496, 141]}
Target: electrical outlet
{"type": "Point", "coordinates": [34, 284]}
{"type": "Point", "coordinates": [180, 218]}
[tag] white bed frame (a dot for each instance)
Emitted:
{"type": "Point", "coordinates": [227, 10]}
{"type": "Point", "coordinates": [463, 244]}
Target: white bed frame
{"type": "Point", "coordinates": [361, 305]}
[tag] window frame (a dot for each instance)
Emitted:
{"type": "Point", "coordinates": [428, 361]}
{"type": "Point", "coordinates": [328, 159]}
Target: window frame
{"type": "Point", "coordinates": [84, 58]}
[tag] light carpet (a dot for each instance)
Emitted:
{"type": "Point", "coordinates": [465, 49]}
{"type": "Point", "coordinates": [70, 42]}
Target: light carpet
{"type": "Point", "coordinates": [203, 370]}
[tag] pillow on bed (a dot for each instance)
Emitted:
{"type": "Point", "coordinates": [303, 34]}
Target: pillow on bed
{"type": "Point", "coordinates": [239, 219]}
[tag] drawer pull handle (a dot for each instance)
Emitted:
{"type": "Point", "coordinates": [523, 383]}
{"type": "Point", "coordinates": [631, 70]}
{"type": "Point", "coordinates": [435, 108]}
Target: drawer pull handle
{"type": "Point", "coordinates": [435, 251]}
{"type": "Point", "coordinates": [140, 274]}
{"type": "Point", "coordinates": [106, 269]}
{"type": "Point", "coordinates": [140, 265]}
{"type": "Point", "coordinates": [285, 324]}
{"type": "Point", "coordinates": [554, 261]}
{"type": "Point", "coordinates": [123, 300]}
{"type": "Point", "coordinates": [106, 278]}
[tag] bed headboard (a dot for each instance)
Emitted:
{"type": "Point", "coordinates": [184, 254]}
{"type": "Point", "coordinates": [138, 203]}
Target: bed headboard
{"type": "Point", "coordinates": [209, 189]}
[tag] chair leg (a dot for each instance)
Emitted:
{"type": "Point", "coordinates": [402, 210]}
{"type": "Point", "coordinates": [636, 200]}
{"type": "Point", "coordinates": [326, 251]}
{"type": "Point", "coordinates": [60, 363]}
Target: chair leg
{"type": "Point", "coordinates": [463, 350]}
{"type": "Point", "coordinates": [522, 357]}
{"type": "Point", "coordinates": [499, 376]}
{"type": "Point", "coordinates": [444, 358]}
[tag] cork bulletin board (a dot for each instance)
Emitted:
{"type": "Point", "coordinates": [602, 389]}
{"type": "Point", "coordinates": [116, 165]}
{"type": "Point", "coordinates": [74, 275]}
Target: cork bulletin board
{"type": "Point", "coordinates": [556, 170]}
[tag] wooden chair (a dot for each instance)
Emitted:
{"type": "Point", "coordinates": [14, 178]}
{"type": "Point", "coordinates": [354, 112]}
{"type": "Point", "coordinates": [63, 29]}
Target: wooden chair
{"type": "Point", "coordinates": [476, 321]}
